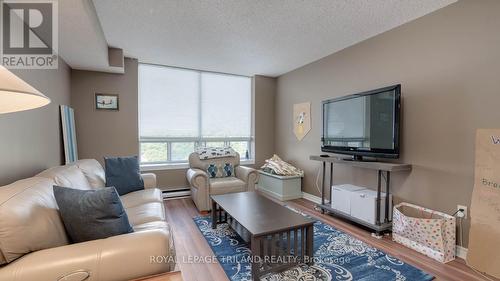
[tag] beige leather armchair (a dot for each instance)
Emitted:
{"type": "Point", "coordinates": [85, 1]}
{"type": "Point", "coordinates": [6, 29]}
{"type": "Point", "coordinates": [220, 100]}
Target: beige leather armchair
{"type": "Point", "coordinates": [202, 186]}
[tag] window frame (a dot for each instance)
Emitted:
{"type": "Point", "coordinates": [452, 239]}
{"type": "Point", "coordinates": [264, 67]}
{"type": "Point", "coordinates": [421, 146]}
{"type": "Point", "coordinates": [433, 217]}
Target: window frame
{"type": "Point", "coordinates": [197, 143]}
{"type": "Point", "coordinates": [170, 164]}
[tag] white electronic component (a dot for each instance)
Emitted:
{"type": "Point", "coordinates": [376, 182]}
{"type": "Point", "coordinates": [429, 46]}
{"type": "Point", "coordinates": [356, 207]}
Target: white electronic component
{"type": "Point", "coordinates": [341, 197]}
{"type": "Point", "coordinates": [364, 205]}
{"type": "Point", "coordinates": [359, 202]}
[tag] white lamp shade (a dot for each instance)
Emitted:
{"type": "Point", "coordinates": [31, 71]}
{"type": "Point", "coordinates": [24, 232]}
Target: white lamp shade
{"type": "Point", "coordinates": [17, 95]}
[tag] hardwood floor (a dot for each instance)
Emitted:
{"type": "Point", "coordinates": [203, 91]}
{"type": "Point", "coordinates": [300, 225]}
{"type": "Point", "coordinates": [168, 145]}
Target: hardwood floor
{"type": "Point", "coordinates": [190, 244]}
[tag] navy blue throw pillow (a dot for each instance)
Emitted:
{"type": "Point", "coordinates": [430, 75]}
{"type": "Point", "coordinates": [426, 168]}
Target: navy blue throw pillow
{"type": "Point", "coordinates": [91, 214]}
{"type": "Point", "coordinates": [124, 174]}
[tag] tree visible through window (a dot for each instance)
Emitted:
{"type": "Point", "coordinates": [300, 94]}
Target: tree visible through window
{"type": "Point", "coordinates": [181, 109]}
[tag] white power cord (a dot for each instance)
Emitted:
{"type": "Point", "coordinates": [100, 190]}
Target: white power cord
{"type": "Point", "coordinates": [317, 208]}
{"type": "Point", "coordinates": [317, 179]}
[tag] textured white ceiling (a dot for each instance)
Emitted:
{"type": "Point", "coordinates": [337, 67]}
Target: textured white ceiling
{"type": "Point", "coordinates": [81, 41]}
{"type": "Point", "coordinates": [267, 37]}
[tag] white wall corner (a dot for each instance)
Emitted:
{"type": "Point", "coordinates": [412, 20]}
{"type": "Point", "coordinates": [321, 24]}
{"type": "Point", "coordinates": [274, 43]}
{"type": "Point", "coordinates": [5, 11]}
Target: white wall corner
{"type": "Point", "coordinates": [312, 198]}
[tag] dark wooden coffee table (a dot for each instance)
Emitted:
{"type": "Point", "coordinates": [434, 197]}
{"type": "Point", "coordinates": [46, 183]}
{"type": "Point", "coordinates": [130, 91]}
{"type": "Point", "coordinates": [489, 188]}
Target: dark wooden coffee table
{"type": "Point", "coordinates": [279, 238]}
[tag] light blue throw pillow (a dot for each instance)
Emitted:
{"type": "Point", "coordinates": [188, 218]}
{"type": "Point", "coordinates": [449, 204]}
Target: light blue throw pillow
{"type": "Point", "coordinates": [91, 214]}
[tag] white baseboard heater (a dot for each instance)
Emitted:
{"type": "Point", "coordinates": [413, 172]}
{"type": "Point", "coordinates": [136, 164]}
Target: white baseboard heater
{"type": "Point", "coordinates": [176, 193]}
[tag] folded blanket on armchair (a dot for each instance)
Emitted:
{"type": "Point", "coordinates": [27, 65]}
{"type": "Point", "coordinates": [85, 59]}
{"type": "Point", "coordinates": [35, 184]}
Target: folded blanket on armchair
{"type": "Point", "coordinates": [215, 152]}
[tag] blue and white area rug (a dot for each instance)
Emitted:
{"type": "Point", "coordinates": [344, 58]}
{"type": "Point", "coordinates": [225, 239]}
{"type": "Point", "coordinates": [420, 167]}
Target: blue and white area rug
{"type": "Point", "coordinates": [338, 256]}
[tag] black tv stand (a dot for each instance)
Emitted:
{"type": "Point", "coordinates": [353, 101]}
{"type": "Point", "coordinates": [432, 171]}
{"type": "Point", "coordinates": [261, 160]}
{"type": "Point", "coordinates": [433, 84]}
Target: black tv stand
{"type": "Point", "coordinates": [359, 158]}
{"type": "Point", "coordinates": [384, 170]}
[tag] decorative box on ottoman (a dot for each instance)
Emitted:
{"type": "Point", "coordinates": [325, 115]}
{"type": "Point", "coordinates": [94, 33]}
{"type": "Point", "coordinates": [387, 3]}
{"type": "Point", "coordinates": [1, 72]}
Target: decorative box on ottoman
{"type": "Point", "coordinates": [280, 187]}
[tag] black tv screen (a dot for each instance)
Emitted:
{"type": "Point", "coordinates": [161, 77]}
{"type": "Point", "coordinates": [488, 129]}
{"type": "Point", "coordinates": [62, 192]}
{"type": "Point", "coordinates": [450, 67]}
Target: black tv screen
{"type": "Point", "coordinates": [364, 124]}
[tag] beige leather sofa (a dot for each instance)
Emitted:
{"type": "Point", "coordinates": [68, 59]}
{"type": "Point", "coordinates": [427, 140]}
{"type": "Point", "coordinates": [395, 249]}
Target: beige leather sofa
{"type": "Point", "coordinates": [35, 246]}
{"type": "Point", "coordinates": [202, 186]}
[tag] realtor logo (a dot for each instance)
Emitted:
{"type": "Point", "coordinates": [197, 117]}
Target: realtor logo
{"type": "Point", "coordinates": [29, 34]}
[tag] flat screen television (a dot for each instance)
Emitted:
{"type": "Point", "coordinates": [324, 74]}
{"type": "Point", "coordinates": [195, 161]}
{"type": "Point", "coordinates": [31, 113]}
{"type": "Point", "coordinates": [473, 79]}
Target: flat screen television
{"type": "Point", "coordinates": [364, 124]}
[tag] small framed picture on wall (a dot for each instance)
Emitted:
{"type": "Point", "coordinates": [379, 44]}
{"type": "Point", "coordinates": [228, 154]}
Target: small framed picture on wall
{"type": "Point", "coordinates": [106, 102]}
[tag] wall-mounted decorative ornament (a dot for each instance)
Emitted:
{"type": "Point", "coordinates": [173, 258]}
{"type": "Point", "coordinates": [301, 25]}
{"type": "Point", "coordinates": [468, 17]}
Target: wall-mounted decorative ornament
{"type": "Point", "coordinates": [106, 102]}
{"type": "Point", "coordinates": [301, 119]}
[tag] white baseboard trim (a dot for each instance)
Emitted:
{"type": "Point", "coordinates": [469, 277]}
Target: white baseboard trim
{"type": "Point", "coordinates": [461, 252]}
{"type": "Point", "coordinates": [312, 198]}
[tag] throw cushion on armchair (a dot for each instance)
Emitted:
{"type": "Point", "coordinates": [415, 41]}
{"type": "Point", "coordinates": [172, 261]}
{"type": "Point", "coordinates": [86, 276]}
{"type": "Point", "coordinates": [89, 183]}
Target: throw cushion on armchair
{"type": "Point", "coordinates": [91, 214]}
{"type": "Point", "coordinates": [124, 174]}
{"type": "Point", "coordinates": [220, 170]}
{"type": "Point", "coordinates": [228, 170]}
{"type": "Point", "coordinates": [212, 170]}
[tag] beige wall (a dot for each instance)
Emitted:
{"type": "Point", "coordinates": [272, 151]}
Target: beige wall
{"type": "Point", "coordinates": [448, 63]}
{"type": "Point", "coordinates": [108, 133]}
{"type": "Point", "coordinates": [265, 95]}
{"type": "Point", "coordinates": [31, 140]}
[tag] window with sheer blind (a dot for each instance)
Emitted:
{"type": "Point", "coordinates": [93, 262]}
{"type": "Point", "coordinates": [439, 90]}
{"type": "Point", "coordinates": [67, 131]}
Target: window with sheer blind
{"type": "Point", "coordinates": [181, 109]}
